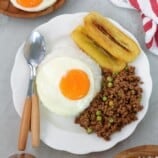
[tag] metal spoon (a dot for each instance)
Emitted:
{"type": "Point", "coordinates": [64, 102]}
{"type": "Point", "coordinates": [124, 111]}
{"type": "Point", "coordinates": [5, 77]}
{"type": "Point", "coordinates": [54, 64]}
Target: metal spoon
{"type": "Point", "coordinates": [34, 52]}
{"type": "Point", "coordinates": [23, 155]}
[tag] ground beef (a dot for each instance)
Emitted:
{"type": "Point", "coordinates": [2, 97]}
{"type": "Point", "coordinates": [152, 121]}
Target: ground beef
{"type": "Point", "coordinates": [115, 106]}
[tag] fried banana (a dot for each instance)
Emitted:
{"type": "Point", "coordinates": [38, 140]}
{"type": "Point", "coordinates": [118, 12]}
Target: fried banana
{"type": "Point", "coordinates": [110, 37]}
{"type": "Point", "coordinates": [104, 59]}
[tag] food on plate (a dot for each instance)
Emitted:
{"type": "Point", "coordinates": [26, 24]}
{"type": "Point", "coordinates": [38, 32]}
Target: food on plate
{"type": "Point", "coordinates": [105, 42]}
{"type": "Point", "coordinates": [32, 5]}
{"type": "Point", "coordinates": [115, 106]}
{"type": "Point", "coordinates": [110, 37]}
{"type": "Point", "coordinates": [90, 79]}
{"type": "Point", "coordinates": [67, 81]}
{"type": "Point", "coordinates": [103, 58]}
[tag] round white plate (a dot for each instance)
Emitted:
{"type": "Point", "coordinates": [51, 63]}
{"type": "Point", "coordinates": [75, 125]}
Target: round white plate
{"type": "Point", "coordinates": [58, 132]}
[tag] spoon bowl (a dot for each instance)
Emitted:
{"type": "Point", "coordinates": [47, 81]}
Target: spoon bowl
{"type": "Point", "coordinates": [34, 48]}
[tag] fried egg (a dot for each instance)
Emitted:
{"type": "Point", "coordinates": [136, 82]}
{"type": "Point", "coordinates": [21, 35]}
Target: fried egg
{"type": "Point", "coordinates": [67, 81]}
{"type": "Point", "coordinates": [32, 5]}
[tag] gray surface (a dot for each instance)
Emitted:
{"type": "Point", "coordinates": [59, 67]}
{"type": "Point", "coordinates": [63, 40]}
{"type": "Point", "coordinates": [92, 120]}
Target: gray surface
{"type": "Point", "coordinates": [14, 31]}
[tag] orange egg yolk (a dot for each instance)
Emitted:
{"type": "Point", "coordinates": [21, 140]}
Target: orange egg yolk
{"type": "Point", "coordinates": [29, 3]}
{"type": "Point", "coordinates": [75, 84]}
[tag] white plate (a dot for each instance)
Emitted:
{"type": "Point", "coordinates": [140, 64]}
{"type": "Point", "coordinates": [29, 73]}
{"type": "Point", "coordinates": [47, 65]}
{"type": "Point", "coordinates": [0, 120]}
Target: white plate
{"type": "Point", "coordinates": [58, 132]}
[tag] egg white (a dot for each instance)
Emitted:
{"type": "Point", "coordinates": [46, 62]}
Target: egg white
{"type": "Point", "coordinates": [50, 72]}
{"type": "Point", "coordinates": [43, 5]}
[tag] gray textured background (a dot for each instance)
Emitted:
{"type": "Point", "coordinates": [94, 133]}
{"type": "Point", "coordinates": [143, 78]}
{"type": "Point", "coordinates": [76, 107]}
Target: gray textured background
{"type": "Point", "coordinates": [14, 31]}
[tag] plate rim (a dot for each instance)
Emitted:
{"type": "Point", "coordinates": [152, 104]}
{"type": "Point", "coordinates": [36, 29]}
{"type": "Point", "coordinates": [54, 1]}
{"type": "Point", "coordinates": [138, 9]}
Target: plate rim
{"type": "Point", "coordinates": [97, 149]}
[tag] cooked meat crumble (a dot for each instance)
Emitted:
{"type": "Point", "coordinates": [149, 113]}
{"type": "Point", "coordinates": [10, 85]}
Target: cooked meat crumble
{"type": "Point", "coordinates": [115, 106]}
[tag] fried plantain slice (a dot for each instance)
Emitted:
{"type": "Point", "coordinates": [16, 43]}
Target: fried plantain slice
{"type": "Point", "coordinates": [110, 37]}
{"type": "Point", "coordinates": [104, 59]}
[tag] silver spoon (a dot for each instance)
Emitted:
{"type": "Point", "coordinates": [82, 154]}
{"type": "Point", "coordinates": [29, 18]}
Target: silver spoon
{"type": "Point", "coordinates": [34, 52]}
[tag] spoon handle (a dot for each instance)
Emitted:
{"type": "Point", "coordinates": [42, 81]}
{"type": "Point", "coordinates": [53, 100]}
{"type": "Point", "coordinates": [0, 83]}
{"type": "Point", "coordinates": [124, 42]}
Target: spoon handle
{"type": "Point", "coordinates": [35, 121]}
{"type": "Point", "coordinates": [25, 124]}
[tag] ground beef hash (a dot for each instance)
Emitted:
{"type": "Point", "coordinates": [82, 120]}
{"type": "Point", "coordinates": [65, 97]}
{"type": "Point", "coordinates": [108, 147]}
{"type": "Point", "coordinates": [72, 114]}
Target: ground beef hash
{"type": "Point", "coordinates": [115, 106]}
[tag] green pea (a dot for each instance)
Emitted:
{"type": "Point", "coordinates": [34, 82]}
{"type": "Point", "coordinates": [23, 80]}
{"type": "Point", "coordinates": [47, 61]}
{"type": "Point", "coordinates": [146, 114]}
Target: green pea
{"type": "Point", "coordinates": [109, 79]}
{"type": "Point", "coordinates": [109, 85]}
{"type": "Point", "coordinates": [111, 103]}
{"type": "Point", "coordinates": [111, 120]}
{"type": "Point", "coordinates": [126, 68]}
{"type": "Point", "coordinates": [99, 118]}
{"type": "Point", "coordinates": [89, 130]}
{"type": "Point", "coordinates": [119, 93]}
{"type": "Point", "coordinates": [104, 98]}
{"type": "Point", "coordinates": [98, 112]}
{"type": "Point", "coordinates": [140, 99]}
{"type": "Point", "coordinates": [115, 73]}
